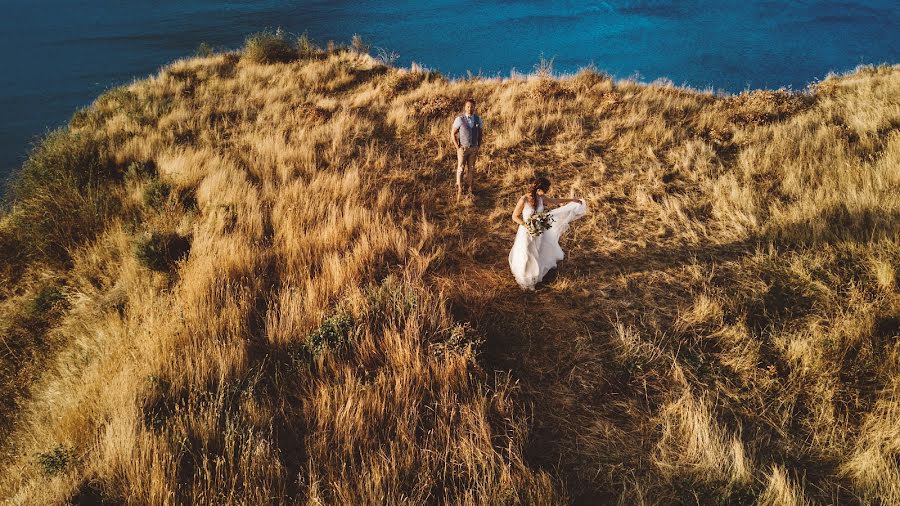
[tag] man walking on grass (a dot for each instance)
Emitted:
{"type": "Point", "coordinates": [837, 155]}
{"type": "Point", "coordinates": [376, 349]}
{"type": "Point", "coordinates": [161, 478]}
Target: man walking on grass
{"type": "Point", "coordinates": [466, 134]}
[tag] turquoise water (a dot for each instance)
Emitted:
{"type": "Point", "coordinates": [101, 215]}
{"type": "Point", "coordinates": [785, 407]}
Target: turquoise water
{"type": "Point", "coordinates": [61, 54]}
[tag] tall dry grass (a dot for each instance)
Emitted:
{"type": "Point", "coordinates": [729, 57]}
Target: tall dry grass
{"type": "Point", "coordinates": [284, 304]}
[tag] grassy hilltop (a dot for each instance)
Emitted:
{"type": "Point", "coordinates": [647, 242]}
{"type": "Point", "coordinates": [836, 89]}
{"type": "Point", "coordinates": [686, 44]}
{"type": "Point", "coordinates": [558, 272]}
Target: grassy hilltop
{"type": "Point", "coordinates": [245, 280]}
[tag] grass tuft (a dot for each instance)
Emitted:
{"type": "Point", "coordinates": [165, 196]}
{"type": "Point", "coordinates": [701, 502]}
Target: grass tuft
{"type": "Point", "coordinates": [269, 47]}
{"type": "Point", "coordinates": [159, 251]}
{"type": "Point", "coordinates": [60, 198]}
{"type": "Point", "coordinates": [54, 461]}
{"type": "Point", "coordinates": [333, 334]}
{"type": "Point", "coordinates": [156, 193]}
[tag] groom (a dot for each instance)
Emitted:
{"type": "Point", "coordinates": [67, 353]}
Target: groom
{"type": "Point", "coordinates": [466, 134]}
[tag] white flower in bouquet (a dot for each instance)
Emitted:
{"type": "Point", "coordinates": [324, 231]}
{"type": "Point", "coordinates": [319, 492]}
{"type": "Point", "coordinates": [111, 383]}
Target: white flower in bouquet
{"type": "Point", "coordinates": [538, 222]}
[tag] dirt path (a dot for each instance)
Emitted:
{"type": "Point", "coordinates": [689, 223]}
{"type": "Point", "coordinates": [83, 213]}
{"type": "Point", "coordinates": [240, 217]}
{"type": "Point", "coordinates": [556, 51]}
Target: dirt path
{"type": "Point", "coordinates": [593, 417]}
{"type": "Point", "coordinates": [556, 342]}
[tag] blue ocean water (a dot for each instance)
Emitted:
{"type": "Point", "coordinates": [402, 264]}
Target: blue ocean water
{"type": "Point", "coordinates": [60, 54]}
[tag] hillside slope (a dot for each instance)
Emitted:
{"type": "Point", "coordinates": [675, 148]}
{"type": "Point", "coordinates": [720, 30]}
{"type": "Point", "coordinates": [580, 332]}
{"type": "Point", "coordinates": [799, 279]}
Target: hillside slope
{"type": "Point", "coordinates": [246, 280]}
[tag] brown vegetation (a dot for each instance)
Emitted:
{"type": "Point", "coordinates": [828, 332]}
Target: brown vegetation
{"type": "Point", "coordinates": [246, 281]}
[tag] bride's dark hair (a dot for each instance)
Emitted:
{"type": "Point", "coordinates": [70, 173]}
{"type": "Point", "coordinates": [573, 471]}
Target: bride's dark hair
{"type": "Point", "coordinates": [538, 183]}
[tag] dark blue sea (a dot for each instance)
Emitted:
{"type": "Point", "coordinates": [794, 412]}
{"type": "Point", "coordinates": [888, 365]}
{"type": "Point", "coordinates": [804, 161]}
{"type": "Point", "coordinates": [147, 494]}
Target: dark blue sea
{"type": "Point", "coordinates": [60, 54]}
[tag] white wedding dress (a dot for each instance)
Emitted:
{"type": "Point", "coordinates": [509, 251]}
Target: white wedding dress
{"type": "Point", "coordinates": [532, 257]}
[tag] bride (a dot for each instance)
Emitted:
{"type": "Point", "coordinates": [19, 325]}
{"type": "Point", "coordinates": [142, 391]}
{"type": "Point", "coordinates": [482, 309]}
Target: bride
{"type": "Point", "coordinates": [532, 257]}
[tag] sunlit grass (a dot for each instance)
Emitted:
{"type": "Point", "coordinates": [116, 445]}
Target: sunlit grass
{"type": "Point", "coordinates": [245, 280]}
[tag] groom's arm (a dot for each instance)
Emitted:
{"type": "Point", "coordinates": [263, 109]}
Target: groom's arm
{"type": "Point", "coordinates": [453, 130]}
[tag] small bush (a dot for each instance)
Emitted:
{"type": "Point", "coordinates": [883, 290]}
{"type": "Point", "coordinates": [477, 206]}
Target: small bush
{"type": "Point", "coordinates": [358, 45]}
{"type": "Point", "coordinates": [156, 193]}
{"type": "Point", "coordinates": [590, 77]}
{"type": "Point", "coordinates": [204, 50]}
{"type": "Point", "coordinates": [118, 99]}
{"type": "Point", "coordinates": [110, 103]}
{"type": "Point", "coordinates": [269, 47]}
{"type": "Point", "coordinates": [47, 298]}
{"type": "Point", "coordinates": [334, 333]}
{"type": "Point", "coordinates": [54, 461]}
{"type": "Point", "coordinates": [439, 105]}
{"type": "Point", "coordinates": [312, 112]}
{"type": "Point", "coordinates": [547, 88]}
{"type": "Point", "coordinates": [75, 157]}
{"type": "Point", "coordinates": [391, 300]}
{"type": "Point", "coordinates": [141, 169]}
{"type": "Point", "coordinates": [544, 68]}
{"type": "Point", "coordinates": [86, 116]}
{"type": "Point", "coordinates": [305, 47]}
{"type": "Point", "coordinates": [61, 198]}
{"type": "Point", "coordinates": [759, 107]}
{"type": "Point", "coordinates": [159, 251]}
{"type": "Point", "coordinates": [228, 61]}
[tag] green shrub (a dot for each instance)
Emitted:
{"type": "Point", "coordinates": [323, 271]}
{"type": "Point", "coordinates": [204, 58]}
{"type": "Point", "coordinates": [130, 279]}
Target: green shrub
{"type": "Point", "coordinates": [156, 193]}
{"type": "Point", "coordinates": [47, 298]}
{"type": "Point", "coordinates": [333, 333]}
{"type": "Point", "coordinates": [141, 169]}
{"type": "Point", "coordinates": [86, 116]}
{"type": "Point", "coordinates": [113, 101]}
{"type": "Point", "coordinates": [159, 251]}
{"type": "Point", "coordinates": [61, 154]}
{"type": "Point", "coordinates": [305, 47]}
{"type": "Point", "coordinates": [54, 461]}
{"type": "Point", "coordinates": [391, 300]}
{"type": "Point", "coordinates": [60, 197]}
{"type": "Point", "coordinates": [121, 99]}
{"type": "Point", "coordinates": [269, 47]}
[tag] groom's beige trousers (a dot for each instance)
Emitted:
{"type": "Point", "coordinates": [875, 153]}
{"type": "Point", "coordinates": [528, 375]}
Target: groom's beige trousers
{"type": "Point", "coordinates": [465, 163]}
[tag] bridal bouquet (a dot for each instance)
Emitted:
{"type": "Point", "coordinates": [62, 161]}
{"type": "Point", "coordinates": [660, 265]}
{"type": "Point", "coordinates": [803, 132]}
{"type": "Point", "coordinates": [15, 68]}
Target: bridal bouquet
{"type": "Point", "coordinates": [538, 222]}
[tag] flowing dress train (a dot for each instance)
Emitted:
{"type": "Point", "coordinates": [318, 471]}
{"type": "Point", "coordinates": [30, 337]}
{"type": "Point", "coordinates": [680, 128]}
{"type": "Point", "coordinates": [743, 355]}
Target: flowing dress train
{"type": "Point", "coordinates": [532, 257]}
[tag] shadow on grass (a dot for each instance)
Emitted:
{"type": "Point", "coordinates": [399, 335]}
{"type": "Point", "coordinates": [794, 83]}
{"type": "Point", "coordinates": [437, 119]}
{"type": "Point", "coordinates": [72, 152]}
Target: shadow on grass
{"type": "Point", "coordinates": [561, 349]}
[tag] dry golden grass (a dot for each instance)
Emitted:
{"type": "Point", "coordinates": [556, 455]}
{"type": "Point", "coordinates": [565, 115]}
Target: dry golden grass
{"type": "Point", "coordinates": [724, 329]}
